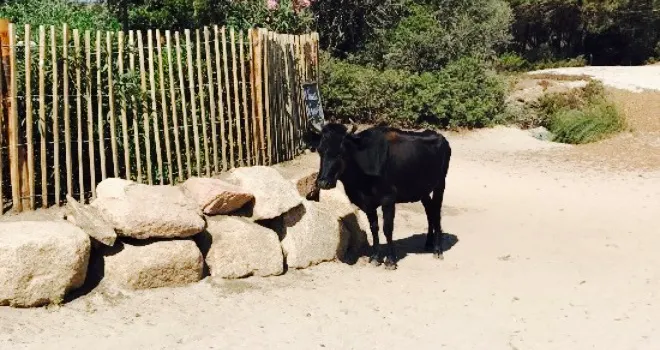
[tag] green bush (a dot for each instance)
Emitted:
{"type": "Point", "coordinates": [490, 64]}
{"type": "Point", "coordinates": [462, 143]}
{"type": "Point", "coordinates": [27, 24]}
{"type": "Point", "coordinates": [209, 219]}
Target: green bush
{"type": "Point", "coordinates": [596, 121]}
{"type": "Point", "coordinates": [613, 32]}
{"type": "Point", "coordinates": [511, 62]}
{"type": "Point", "coordinates": [185, 14]}
{"type": "Point", "coordinates": [345, 26]}
{"type": "Point", "coordinates": [578, 61]}
{"type": "Point", "coordinates": [57, 12]}
{"type": "Point", "coordinates": [464, 94]}
{"type": "Point", "coordinates": [581, 115]}
{"type": "Point", "coordinates": [551, 104]}
{"type": "Point", "coordinates": [435, 33]}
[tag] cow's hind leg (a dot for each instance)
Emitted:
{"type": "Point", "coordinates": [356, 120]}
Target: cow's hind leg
{"type": "Point", "coordinates": [388, 229]}
{"type": "Point", "coordinates": [430, 218]}
{"type": "Point", "coordinates": [372, 215]}
{"type": "Point", "coordinates": [436, 203]}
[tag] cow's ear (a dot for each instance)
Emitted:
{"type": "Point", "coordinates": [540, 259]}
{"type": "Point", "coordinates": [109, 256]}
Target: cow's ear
{"type": "Point", "coordinates": [312, 140]}
{"type": "Point", "coordinates": [371, 153]}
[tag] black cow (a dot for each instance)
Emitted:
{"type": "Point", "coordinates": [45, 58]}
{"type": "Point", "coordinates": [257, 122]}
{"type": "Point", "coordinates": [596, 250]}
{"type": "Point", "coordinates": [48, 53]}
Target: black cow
{"type": "Point", "coordinates": [382, 166]}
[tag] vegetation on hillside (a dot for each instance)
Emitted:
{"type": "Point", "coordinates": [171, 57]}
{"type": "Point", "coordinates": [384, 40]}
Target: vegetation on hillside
{"type": "Point", "coordinates": [408, 62]}
{"type": "Point", "coordinates": [580, 115]}
{"type": "Point", "coordinates": [603, 32]}
{"type": "Point", "coordinates": [462, 94]}
{"type": "Point", "coordinates": [57, 12]}
{"type": "Point", "coordinates": [572, 115]}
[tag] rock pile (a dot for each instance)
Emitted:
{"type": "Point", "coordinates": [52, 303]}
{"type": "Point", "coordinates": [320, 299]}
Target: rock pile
{"type": "Point", "coordinates": [250, 221]}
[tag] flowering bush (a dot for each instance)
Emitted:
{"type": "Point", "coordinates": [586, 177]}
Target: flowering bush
{"type": "Point", "coordinates": [297, 4]}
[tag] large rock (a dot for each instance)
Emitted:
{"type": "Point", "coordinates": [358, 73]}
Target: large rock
{"type": "Point", "coordinates": [154, 265]}
{"type": "Point", "coordinates": [142, 211]}
{"type": "Point", "coordinates": [318, 232]}
{"type": "Point", "coordinates": [337, 198]}
{"type": "Point", "coordinates": [541, 133]}
{"type": "Point", "coordinates": [355, 226]}
{"type": "Point", "coordinates": [113, 188]}
{"type": "Point", "coordinates": [306, 184]}
{"type": "Point", "coordinates": [41, 261]}
{"type": "Point", "coordinates": [303, 177]}
{"type": "Point", "coordinates": [236, 247]}
{"type": "Point", "coordinates": [90, 221]}
{"type": "Point", "coordinates": [337, 194]}
{"type": "Point", "coordinates": [274, 195]}
{"type": "Point", "coordinates": [214, 196]}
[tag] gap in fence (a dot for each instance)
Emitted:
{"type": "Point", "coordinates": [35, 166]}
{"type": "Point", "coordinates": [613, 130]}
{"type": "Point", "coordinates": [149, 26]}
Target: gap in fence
{"type": "Point", "coordinates": [156, 107]}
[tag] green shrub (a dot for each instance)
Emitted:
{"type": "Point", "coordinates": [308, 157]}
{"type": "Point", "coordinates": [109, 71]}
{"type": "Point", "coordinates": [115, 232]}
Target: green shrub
{"type": "Point", "coordinates": [580, 115]}
{"type": "Point", "coordinates": [578, 61]}
{"type": "Point", "coordinates": [511, 62]}
{"type": "Point", "coordinates": [575, 99]}
{"type": "Point", "coordinates": [184, 14]}
{"type": "Point", "coordinates": [596, 121]}
{"type": "Point", "coordinates": [434, 33]}
{"type": "Point", "coordinates": [56, 12]}
{"type": "Point", "coordinates": [464, 94]}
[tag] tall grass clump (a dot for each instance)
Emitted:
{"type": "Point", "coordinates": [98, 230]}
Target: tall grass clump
{"type": "Point", "coordinates": [581, 115]}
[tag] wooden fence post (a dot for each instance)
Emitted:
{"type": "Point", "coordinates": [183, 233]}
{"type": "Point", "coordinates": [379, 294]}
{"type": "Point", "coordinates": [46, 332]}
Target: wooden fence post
{"type": "Point", "coordinates": [266, 117]}
{"type": "Point", "coordinates": [4, 51]}
{"type": "Point", "coordinates": [257, 74]}
{"type": "Point", "coordinates": [17, 155]}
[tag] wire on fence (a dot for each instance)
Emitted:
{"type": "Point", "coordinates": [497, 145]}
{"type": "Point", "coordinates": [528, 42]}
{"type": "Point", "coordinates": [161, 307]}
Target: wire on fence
{"type": "Point", "coordinates": [247, 94]}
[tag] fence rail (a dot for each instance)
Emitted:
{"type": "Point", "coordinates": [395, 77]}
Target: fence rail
{"type": "Point", "coordinates": [153, 106]}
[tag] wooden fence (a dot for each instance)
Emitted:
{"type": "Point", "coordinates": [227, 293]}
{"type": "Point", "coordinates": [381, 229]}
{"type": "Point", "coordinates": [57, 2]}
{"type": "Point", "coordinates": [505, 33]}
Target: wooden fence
{"type": "Point", "coordinates": [155, 107]}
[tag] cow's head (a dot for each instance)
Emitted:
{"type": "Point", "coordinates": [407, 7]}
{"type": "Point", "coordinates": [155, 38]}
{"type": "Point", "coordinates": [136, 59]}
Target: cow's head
{"type": "Point", "coordinates": [338, 145]}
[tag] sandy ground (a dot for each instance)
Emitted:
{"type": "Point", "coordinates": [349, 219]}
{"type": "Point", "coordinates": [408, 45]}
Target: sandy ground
{"type": "Point", "coordinates": [551, 247]}
{"type": "Point", "coordinates": [636, 91]}
{"type": "Point", "coordinates": [637, 79]}
{"type": "Point", "coordinates": [545, 255]}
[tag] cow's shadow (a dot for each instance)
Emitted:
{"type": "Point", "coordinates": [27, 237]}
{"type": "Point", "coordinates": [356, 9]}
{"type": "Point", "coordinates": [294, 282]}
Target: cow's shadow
{"type": "Point", "coordinates": [415, 244]}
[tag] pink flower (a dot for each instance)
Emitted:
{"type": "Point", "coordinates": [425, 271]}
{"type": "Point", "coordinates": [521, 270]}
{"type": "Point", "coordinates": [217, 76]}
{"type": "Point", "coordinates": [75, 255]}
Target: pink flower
{"type": "Point", "coordinates": [297, 4]}
{"type": "Point", "coordinates": [301, 4]}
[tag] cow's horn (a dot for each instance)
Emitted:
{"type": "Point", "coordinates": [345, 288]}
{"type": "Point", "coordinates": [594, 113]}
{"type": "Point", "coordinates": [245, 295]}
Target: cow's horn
{"type": "Point", "coordinates": [316, 128]}
{"type": "Point", "coordinates": [353, 126]}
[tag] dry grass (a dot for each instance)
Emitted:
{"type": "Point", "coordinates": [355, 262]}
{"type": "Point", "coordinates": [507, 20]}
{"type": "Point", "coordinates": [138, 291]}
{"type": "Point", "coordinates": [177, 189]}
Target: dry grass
{"type": "Point", "coordinates": [519, 81]}
{"type": "Point", "coordinates": [642, 110]}
{"type": "Point", "coordinates": [544, 84]}
{"type": "Point", "coordinates": [627, 152]}
{"type": "Point", "coordinates": [638, 149]}
{"type": "Point", "coordinates": [558, 77]}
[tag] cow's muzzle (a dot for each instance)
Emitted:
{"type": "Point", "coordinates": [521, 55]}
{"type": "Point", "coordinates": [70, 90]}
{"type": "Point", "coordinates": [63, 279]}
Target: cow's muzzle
{"type": "Point", "coordinates": [326, 185]}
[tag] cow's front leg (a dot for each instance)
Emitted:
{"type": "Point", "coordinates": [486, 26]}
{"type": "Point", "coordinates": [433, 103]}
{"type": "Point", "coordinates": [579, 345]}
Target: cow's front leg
{"type": "Point", "coordinates": [372, 215]}
{"type": "Point", "coordinates": [388, 229]}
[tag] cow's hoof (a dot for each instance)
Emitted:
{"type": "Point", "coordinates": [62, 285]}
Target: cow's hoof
{"type": "Point", "coordinates": [374, 260]}
{"type": "Point", "coordinates": [439, 256]}
{"type": "Point", "coordinates": [390, 265]}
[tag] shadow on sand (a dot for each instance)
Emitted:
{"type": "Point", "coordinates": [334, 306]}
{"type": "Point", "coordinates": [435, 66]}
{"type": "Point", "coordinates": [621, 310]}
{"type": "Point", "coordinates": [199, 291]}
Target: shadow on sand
{"type": "Point", "coordinates": [415, 244]}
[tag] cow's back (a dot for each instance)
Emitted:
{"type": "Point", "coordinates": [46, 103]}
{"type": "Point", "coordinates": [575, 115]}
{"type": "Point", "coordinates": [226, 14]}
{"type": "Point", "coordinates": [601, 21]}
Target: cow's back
{"type": "Point", "coordinates": [417, 163]}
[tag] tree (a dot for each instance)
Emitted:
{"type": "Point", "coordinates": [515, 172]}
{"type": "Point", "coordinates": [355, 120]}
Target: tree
{"type": "Point", "coordinates": [436, 32]}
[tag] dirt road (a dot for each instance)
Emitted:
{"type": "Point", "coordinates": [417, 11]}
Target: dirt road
{"type": "Point", "coordinates": [637, 78]}
{"type": "Point", "coordinates": [549, 255]}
